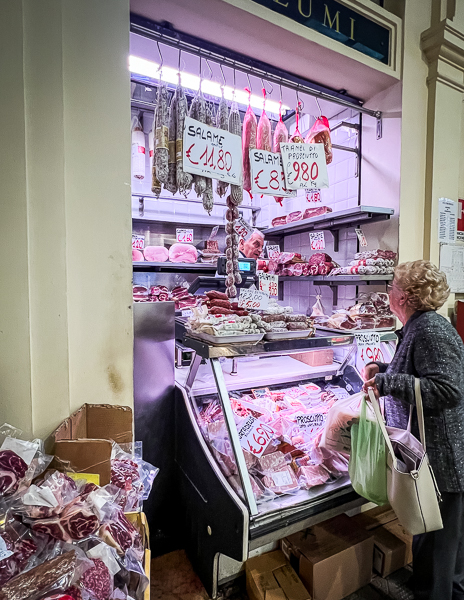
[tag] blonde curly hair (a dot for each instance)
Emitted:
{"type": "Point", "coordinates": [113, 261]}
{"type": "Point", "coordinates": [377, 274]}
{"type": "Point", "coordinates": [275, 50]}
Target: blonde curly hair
{"type": "Point", "coordinates": [425, 285]}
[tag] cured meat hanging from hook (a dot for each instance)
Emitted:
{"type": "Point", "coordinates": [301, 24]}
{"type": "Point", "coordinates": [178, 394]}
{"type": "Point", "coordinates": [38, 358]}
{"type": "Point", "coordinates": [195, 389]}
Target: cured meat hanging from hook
{"type": "Point", "coordinates": [235, 127]}
{"type": "Point", "coordinates": [297, 138]}
{"type": "Point", "coordinates": [232, 253]}
{"type": "Point", "coordinates": [280, 137]}
{"type": "Point", "coordinates": [208, 198]}
{"type": "Point", "coordinates": [264, 133]}
{"type": "Point", "coordinates": [198, 112]}
{"type": "Point", "coordinates": [161, 155]}
{"type": "Point", "coordinates": [184, 180]}
{"type": "Point", "coordinates": [248, 143]}
{"type": "Point", "coordinates": [155, 183]}
{"type": "Point", "coordinates": [320, 134]}
{"type": "Point", "coordinates": [171, 184]}
{"type": "Point", "coordinates": [222, 122]}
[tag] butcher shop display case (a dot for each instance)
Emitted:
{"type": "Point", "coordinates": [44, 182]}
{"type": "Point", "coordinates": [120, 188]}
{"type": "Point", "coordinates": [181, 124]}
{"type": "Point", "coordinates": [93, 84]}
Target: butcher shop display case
{"type": "Point", "coordinates": [249, 418]}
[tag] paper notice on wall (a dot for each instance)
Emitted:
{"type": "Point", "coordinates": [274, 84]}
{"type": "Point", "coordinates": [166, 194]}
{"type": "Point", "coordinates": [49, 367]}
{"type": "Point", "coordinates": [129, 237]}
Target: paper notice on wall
{"type": "Point", "coordinates": [460, 233]}
{"type": "Point", "coordinates": [452, 264]}
{"type": "Point", "coordinates": [447, 220]}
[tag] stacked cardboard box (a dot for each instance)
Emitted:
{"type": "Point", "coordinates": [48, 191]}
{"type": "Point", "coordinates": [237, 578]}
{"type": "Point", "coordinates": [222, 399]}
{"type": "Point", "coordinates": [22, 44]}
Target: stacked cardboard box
{"type": "Point", "coordinates": [270, 577]}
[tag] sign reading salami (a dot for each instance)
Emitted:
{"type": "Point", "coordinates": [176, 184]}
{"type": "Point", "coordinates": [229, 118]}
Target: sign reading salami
{"type": "Point", "coordinates": [138, 242]}
{"type": "Point", "coordinates": [212, 152]}
{"type": "Point", "coordinates": [317, 240]}
{"type": "Point", "coordinates": [268, 283]}
{"type": "Point", "coordinates": [242, 229]}
{"type": "Point", "coordinates": [255, 436]}
{"type": "Point", "coordinates": [184, 236]}
{"type": "Point", "coordinates": [304, 166]}
{"type": "Point", "coordinates": [267, 174]}
{"type": "Point", "coordinates": [253, 299]}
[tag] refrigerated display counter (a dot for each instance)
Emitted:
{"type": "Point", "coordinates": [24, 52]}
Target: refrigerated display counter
{"type": "Point", "coordinates": [236, 501]}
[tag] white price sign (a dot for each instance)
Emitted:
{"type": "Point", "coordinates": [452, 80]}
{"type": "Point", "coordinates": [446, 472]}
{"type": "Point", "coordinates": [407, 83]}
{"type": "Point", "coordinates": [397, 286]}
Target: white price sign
{"type": "Point", "coordinates": [447, 220]}
{"type": "Point", "coordinates": [138, 242]}
{"type": "Point", "coordinates": [361, 237]}
{"type": "Point", "coordinates": [304, 166]}
{"type": "Point", "coordinates": [253, 299]}
{"type": "Point", "coordinates": [212, 152]}
{"type": "Point", "coordinates": [273, 251]}
{"type": "Point", "coordinates": [313, 196]}
{"type": "Point", "coordinates": [184, 236]}
{"type": "Point", "coordinates": [242, 228]}
{"type": "Point", "coordinates": [310, 421]}
{"type": "Point", "coordinates": [187, 313]}
{"type": "Point", "coordinates": [267, 174]}
{"type": "Point", "coordinates": [317, 240]}
{"type": "Point", "coordinates": [268, 283]}
{"type": "Point", "coordinates": [368, 348]}
{"type": "Point", "coordinates": [255, 436]}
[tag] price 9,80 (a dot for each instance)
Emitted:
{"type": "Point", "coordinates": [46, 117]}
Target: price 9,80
{"type": "Point", "coordinates": [303, 172]}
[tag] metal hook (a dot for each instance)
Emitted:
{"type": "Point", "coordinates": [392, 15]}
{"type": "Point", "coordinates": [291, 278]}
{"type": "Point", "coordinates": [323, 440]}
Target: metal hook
{"type": "Point", "coordinates": [249, 83]}
{"type": "Point", "coordinates": [210, 70]}
{"type": "Point", "coordinates": [272, 88]}
{"type": "Point", "coordinates": [318, 106]}
{"type": "Point", "coordinates": [223, 76]}
{"type": "Point", "coordinates": [161, 56]}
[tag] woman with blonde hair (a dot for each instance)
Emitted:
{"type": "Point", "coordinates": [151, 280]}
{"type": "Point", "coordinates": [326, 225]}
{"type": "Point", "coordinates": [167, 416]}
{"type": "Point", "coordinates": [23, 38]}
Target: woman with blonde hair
{"type": "Point", "coordinates": [429, 348]}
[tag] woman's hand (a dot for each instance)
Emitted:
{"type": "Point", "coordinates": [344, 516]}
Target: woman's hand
{"type": "Point", "coordinates": [370, 371]}
{"type": "Point", "coordinates": [370, 383]}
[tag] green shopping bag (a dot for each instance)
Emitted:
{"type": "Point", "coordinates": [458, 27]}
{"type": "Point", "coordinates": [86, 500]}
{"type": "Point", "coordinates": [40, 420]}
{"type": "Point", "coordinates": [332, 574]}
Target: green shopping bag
{"type": "Point", "coordinates": [368, 460]}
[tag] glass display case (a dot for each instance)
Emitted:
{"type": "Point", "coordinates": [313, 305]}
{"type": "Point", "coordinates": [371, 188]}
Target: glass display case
{"type": "Point", "coordinates": [249, 419]}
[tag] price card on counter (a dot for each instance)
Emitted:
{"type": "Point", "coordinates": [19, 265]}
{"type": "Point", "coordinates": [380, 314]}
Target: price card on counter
{"type": "Point", "coordinates": [317, 240]}
{"type": "Point", "coordinates": [361, 237]}
{"type": "Point", "coordinates": [212, 152]}
{"type": "Point", "coordinates": [273, 251]}
{"type": "Point", "coordinates": [184, 236]}
{"type": "Point", "coordinates": [268, 283]}
{"type": "Point", "coordinates": [304, 166]}
{"type": "Point", "coordinates": [138, 242]}
{"type": "Point", "coordinates": [255, 436]}
{"type": "Point", "coordinates": [369, 349]}
{"type": "Point", "coordinates": [267, 174]}
{"type": "Point", "coordinates": [242, 228]}
{"type": "Point", "coordinates": [253, 299]}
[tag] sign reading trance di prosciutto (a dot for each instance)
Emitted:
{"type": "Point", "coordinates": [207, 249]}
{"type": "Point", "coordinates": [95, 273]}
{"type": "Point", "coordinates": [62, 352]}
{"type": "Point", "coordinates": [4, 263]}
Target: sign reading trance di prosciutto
{"type": "Point", "coordinates": [333, 19]}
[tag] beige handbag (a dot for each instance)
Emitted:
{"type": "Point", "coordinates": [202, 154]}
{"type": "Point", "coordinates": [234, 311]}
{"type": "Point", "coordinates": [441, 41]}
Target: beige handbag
{"type": "Point", "coordinates": [411, 487]}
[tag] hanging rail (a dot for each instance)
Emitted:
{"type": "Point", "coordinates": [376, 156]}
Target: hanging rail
{"type": "Point", "coordinates": [228, 58]}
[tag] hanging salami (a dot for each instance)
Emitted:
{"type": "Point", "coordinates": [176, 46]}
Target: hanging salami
{"type": "Point", "coordinates": [222, 122]}
{"type": "Point", "coordinates": [155, 183]}
{"type": "Point", "coordinates": [280, 137]}
{"type": "Point", "coordinates": [184, 180]}
{"type": "Point", "coordinates": [137, 149]}
{"type": "Point", "coordinates": [171, 184]}
{"type": "Point", "coordinates": [198, 112]}
{"type": "Point", "coordinates": [235, 127]}
{"type": "Point", "coordinates": [248, 143]}
{"type": "Point", "coordinates": [208, 198]}
{"type": "Point", "coordinates": [162, 135]}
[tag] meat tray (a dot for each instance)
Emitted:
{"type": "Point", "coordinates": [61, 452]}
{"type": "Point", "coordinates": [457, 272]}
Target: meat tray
{"type": "Point", "coordinates": [222, 340]}
{"type": "Point", "coordinates": [287, 335]}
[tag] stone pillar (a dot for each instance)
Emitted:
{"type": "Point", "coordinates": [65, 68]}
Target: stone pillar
{"type": "Point", "coordinates": [65, 217]}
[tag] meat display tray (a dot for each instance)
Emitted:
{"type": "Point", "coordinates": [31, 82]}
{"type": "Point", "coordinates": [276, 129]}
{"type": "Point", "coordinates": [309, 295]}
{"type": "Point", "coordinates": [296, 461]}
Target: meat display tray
{"type": "Point", "coordinates": [221, 340]}
{"type": "Point", "coordinates": [287, 335]}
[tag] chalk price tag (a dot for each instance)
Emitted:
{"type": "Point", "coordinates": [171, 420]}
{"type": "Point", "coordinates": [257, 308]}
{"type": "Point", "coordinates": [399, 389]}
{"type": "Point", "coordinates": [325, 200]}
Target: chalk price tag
{"type": "Point", "coordinates": [212, 152]}
{"type": "Point", "coordinates": [242, 228]}
{"type": "Point", "coordinates": [361, 237]}
{"type": "Point", "coordinates": [368, 348]}
{"type": "Point", "coordinates": [304, 166]}
{"type": "Point", "coordinates": [184, 236]}
{"type": "Point", "coordinates": [138, 242]}
{"type": "Point", "coordinates": [313, 196]}
{"type": "Point", "coordinates": [255, 436]}
{"type": "Point", "coordinates": [273, 251]}
{"type": "Point", "coordinates": [268, 283]}
{"type": "Point", "coordinates": [317, 240]}
{"type": "Point", "coordinates": [253, 299]}
{"type": "Point", "coordinates": [267, 174]}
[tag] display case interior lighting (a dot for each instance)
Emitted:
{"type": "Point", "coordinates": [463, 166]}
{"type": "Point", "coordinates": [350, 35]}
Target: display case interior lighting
{"type": "Point", "coordinates": [141, 66]}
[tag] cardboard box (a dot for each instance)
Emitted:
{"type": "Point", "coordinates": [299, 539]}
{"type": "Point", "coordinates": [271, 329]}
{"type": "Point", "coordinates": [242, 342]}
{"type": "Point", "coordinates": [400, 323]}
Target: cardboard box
{"type": "Point", "coordinates": [335, 558]}
{"type": "Point", "coordinates": [371, 519]}
{"type": "Point", "coordinates": [83, 440]}
{"type": "Point", "coordinates": [392, 548]}
{"type": "Point", "coordinates": [270, 577]}
{"type": "Point", "coordinates": [315, 358]}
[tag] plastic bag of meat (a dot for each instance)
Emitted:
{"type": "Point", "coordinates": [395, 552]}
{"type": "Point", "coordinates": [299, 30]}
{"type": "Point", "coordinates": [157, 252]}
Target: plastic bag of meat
{"type": "Point", "coordinates": [21, 549]}
{"type": "Point", "coordinates": [47, 498]}
{"type": "Point", "coordinates": [131, 576]}
{"type": "Point", "coordinates": [20, 460]}
{"type": "Point", "coordinates": [320, 134]}
{"type": "Point", "coordinates": [119, 533]}
{"type": "Point", "coordinates": [76, 522]}
{"type": "Point", "coordinates": [336, 436]}
{"type": "Point", "coordinates": [249, 133]}
{"type": "Point", "coordinates": [134, 476]}
{"type": "Point", "coordinates": [312, 475]}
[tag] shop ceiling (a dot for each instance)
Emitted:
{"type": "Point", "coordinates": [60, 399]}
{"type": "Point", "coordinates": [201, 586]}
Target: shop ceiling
{"type": "Point", "coordinates": [225, 25]}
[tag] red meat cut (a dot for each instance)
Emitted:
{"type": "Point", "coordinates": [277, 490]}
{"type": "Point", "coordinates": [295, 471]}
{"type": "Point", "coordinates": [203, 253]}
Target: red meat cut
{"type": "Point", "coordinates": [318, 258]}
{"type": "Point", "coordinates": [75, 523]}
{"type": "Point", "coordinates": [183, 253]}
{"type": "Point", "coordinates": [120, 533]}
{"type": "Point", "coordinates": [98, 580]}
{"type": "Point", "coordinates": [294, 216]}
{"type": "Point", "coordinates": [316, 212]}
{"type": "Point", "coordinates": [279, 221]}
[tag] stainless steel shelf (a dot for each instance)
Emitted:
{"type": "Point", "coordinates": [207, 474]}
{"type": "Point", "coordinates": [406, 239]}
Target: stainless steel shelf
{"type": "Point", "coordinates": [340, 279]}
{"type": "Point", "coordinates": [334, 220]}
{"type": "Point", "coordinates": [385, 336]}
{"type": "Point", "coordinates": [169, 267]}
{"type": "Point", "coordinates": [205, 350]}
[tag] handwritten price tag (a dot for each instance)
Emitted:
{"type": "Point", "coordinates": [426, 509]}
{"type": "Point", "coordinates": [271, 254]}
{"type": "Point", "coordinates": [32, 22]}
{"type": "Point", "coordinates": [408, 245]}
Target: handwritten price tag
{"type": "Point", "coordinates": [138, 242]}
{"type": "Point", "coordinates": [184, 236]}
{"type": "Point", "coordinates": [242, 228]}
{"type": "Point", "coordinates": [212, 152]}
{"type": "Point", "coordinates": [213, 233]}
{"type": "Point", "coordinates": [253, 299]}
{"type": "Point", "coordinates": [304, 166]}
{"type": "Point", "coordinates": [369, 349]}
{"type": "Point", "coordinates": [317, 240]}
{"type": "Point", "coordinates": [310, 421]}
{"type": "Point", "coordinates": [268, 283]}
{"type": "Point", "coordinates": [255, 436]}
{"type": "Point", "coordinates": [361, 237]}
{"type": "Point", "coordinates": [273, 251]}
{"type": "Point", "coordinates": [313, 196]}
{"type": "Point", "coordinates": [267, 174]}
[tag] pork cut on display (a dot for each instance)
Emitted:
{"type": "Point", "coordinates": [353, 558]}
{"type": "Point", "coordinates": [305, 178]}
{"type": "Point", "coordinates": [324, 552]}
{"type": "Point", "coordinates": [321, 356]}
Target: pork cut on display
{"type": "Point", "coordinates": [156, 254]}
{"type": "Point", "coordinates": [183, 253]}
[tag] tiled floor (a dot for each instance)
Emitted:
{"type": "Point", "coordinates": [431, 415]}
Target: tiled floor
{"type": "Point", "coordinates": [172, 578]}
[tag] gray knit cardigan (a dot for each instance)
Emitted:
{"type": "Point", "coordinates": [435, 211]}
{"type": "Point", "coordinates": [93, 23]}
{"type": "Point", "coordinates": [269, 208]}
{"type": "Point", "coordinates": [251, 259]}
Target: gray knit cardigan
{"type": "Point", "coordinates": [430, 348]}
